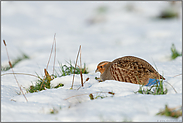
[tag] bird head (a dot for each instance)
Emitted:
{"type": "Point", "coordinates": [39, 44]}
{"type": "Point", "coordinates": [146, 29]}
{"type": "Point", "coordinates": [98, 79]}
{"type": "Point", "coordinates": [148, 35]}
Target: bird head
{"type": "Point", "coordinates": [101, 67]}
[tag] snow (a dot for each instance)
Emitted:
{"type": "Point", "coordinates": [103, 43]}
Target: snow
{"type": "Point", "coordinates": [29, 27]}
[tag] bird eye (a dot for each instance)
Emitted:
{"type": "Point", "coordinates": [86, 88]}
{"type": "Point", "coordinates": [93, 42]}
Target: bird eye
{"type": "Point", "coordinates": [100, 66]}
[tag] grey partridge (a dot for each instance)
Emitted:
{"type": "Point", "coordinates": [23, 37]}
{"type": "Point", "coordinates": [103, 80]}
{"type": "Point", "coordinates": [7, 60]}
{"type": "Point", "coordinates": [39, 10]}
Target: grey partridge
{"type": "Point", "coordinates": [128, 69]}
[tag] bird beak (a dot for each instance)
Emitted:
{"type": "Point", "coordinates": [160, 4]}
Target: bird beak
{"type": "Point", "coordinates": [96, 70]}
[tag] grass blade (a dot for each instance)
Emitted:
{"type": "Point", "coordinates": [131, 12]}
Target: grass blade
{"type": "Point", "coordinates": [75, 67]}
{"type": "Point", "coordinates": [13, 71]}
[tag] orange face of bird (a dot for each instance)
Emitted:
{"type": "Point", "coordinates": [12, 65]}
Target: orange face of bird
{"type": "Point", "coordinates": [101, 67]}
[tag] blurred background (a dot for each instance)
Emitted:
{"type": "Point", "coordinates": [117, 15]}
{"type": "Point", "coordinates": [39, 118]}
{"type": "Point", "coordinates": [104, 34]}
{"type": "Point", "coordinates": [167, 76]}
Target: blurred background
{"type": "Point", "coordinates": [105, 30]}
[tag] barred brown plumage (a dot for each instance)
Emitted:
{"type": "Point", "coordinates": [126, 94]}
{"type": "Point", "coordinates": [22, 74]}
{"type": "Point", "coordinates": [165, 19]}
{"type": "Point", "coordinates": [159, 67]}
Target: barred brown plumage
{"type": "Point", "coordinates": [128, 69]}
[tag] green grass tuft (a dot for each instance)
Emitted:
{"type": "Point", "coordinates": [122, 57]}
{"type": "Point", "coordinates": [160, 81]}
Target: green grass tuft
{"type": "Point", "coordinates": [14, 62]}
{"type": "Point", "coordinates": [102, 9]}
{"type": "Point", "coordinates": [53, 111]}
{"type": "Point", "coordinates": [156, 89]}
{"type": "Point", "coordinates": [43, 85]}
{"type": "Point", "coordinates": [69, 69]}
{"type": "Point", "coordinates": [91, 96]}
{"type": "Point", "coordinates": [59, 85]}
{"type": "Point", "coordinates": [171, 112]}
{"type": "Point", "coordinates": [100, 95]}
{"type": "Point", "coordinates": [168, 14]}
{"type": "Point", "coordinates": [175, 53]}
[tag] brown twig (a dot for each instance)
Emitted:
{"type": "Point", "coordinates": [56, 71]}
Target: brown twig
{"type": "Point", "coordinates": [13, 71]}
{"type": "Point", "coordinates": [84, 83]}
{"type": "Point", "coordinates": [75, 67]}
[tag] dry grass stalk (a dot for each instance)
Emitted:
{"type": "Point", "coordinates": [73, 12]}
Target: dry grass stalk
{"type": "Point", "coordinates": [81, 69]}
{"type": "Point", "coordinates": [84, 83]}
{"type": "Point", "coordinates": [177, 75]}
{"type": "Point", "coordinates": [75, 66]}
{"type": "Point", "coordinates": [21, 74]}
{"type": "Point", "coordinates": [13, 71]}
{"type": "Point", "coordinates": [171, 86]}
{"type": "Point", "coordinates": [54, 41]}
{"type": "Point", "coordinates": [51, 52]}
{"type": "Point", "coordinates": [54, 56]}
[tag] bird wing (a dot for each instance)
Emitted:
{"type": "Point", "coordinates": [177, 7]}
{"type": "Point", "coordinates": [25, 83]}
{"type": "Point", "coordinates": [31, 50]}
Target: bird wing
{"type": "Point", "coordinates": [133, 69]}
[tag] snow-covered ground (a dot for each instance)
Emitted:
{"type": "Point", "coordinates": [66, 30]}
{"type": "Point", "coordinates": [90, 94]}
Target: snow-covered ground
{"type": "Point", "coordinates": [106, 31]}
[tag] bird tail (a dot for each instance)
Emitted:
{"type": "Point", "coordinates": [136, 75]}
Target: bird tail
{"type": "Point", "coordinates": [161, 77]}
